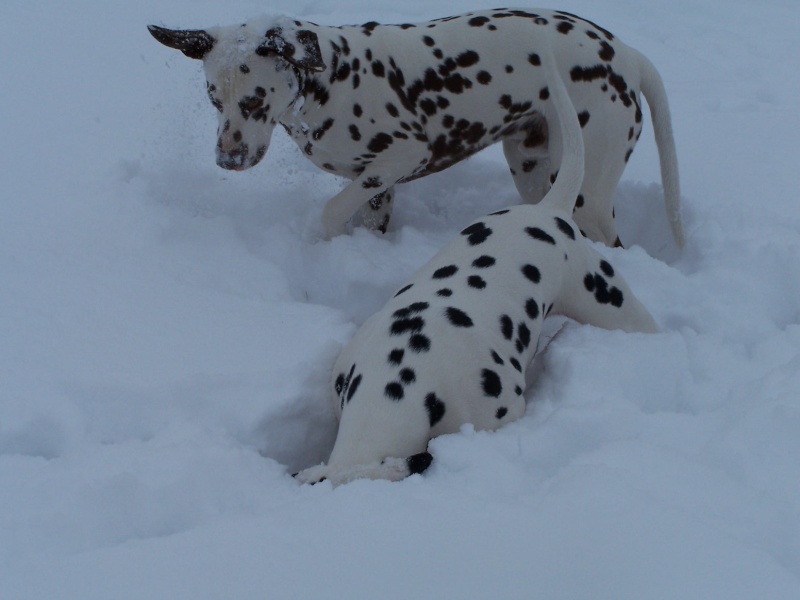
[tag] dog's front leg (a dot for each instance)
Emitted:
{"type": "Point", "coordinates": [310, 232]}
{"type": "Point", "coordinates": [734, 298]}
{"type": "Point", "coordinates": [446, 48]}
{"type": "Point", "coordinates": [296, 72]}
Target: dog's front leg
{"type": "Point", "coordinates": [374, 184]}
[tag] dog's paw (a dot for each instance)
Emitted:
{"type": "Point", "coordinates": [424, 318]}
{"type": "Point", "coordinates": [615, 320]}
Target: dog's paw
{"type": "Point", "coordinates": [312, 475]}
{"type": "Point", "coordinates": [390, 469]}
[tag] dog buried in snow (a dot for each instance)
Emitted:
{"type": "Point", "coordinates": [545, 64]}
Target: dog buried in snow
{"type": "Point", "coordinates": [453, 344]}
{"type": "Point", "coordinates": [386, 104]}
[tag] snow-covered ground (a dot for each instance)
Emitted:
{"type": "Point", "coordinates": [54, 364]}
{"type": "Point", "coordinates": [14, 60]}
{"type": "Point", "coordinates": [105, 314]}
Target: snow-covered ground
{"type": "Point", "coordinates": [167, 330]}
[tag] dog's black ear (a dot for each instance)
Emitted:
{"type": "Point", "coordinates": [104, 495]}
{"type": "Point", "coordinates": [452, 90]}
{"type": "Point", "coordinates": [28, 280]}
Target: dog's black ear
{"type": "Point", "coordinates": [300, 48]}
{"type": "Point", "coordinates": [194, 43]}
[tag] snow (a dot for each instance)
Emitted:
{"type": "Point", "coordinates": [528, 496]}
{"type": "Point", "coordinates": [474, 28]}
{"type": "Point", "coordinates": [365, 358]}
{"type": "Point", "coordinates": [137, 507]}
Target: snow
{"type": "Point", "coordinates": [167, 330]}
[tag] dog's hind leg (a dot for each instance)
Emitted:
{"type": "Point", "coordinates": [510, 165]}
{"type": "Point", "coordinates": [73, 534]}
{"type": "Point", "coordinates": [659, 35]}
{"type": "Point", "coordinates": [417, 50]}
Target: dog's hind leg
{"type": "Point", "coordinates": [377, 213]}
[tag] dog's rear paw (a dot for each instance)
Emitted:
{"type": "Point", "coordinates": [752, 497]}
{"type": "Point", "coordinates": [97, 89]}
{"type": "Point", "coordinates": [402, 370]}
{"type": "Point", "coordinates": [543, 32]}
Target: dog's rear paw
{"type": "Point", "coordinates": [391, 469]}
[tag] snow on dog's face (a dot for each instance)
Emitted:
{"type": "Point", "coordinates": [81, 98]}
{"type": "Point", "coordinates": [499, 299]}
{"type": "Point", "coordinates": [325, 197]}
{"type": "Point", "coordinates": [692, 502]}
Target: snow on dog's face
{"type": "Point", "coordinates": [252, 78]}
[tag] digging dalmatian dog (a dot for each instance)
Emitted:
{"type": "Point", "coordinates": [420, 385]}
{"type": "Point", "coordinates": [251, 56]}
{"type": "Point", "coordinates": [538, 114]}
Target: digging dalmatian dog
{"type": "Point", "coordinates": [453, 344]}
{"type": "Point", "coordinates": [387, 104]}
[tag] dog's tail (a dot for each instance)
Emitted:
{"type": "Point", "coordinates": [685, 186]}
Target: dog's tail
{"type": "Point", "coordinates": [567, 186]}
{"type": "Point", "coordinates": [656, 96]}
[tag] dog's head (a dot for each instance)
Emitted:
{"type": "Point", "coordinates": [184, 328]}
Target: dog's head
{"type": "Point", "coordinates": [251, 77]}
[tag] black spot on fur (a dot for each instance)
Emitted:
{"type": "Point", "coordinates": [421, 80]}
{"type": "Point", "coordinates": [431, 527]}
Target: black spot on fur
{"type": "Point", "coordinates": [616, 297]}
{"type": "Point", "coordinates": [404, 289]}
{"type": "Point", "coordinates": [532, 309]}
{"type": "Point", "coordinates": [477, 282]}
{"type": "Point", "coordinates": [393, 391]}
{"type": "Point", "coordinates": [445, 272]}
{"type": "Point", "coordinates": [515, 363]}
{"type": "Point", "coordinates": [532, 273]}
{"type": "Point", "coordinates": [606, 268]}
{"type": "Point", "coordinates": [406, 325]}
{"type": "Point", "coordinates": [540, 235]}
{"type": "Point", "coordinates": [467, 59]}
{"type": "Point", "coordinates": [499, 212]}
{"type": "Point", "coordinates": [583, 118]}
{"type": "Point", "coordinates": [606, 51]}
{"type": "Point", "coordinates": [565, 228]}
{"type": "Point", "coordinates": [355, 134]}
{"type": "Point", "coordinates": [564, 27]}
{"type": "Point", "coordinates": [478, 21]}
{"type": "Point", "coordinates": [428, 106]}
{"type": "Point", "coordinates": [367, 28]}
{"type": "Point", "coordinates": [435, 408]}
{"type": "Point", "coordinates": [506, 327]}
{"type": "Point", "coordinates": [477, 233]}
{"type": "Point", "coordinates": [380, 142]}
{"type": "Point", "coordinates": [343, 383]}
{"type": "Point", "coordinates": [458, 317]}
{"type": "Point", "coordinates": [491, 384]}
{"type": "Point", "coordinates": [411, 309]}
{"type": "Point", "coordinates": [316, 89]}
{"type": "Point", "coordinates": [534, 59]}
{"type": "Point", "coordinates": [392, 109]}
{"type": "Point", "coordinates": [501, 412]}
{"type": "Point", "coordinates": [523, 335]}
{"type": "Point", "coordinates": [483, 262]}
{"type": "Point", "coordinates": [372, 182]}
{"type": "Point", "coordinates": [419, 343]}
{"type": "Point", "coordinates": [339, 385]}
{"type": "Point", "coordinates": [496, 358]}
{"type": "Point", "coordinates": [396, 356]}
{"type": "Point", "coordinates": [407, 376]}
{"type": "Point", "coordinates": [484, 77]}
{"type": "Point", "coordinates": [445, 292]}
{"type": "Point", "coordinates": [596, 284]}
{"type": "Point", "coordinates": [587, 74]}
{"type": "Point", "coordinates": [353, 387]}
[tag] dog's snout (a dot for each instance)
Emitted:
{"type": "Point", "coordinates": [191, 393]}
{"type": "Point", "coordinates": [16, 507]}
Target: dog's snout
{"type": "Point", "coordinates": [233, 160]}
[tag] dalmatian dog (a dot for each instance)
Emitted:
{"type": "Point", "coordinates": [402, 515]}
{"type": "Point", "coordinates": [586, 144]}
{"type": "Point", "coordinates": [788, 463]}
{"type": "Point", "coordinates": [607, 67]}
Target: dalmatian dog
{"type": "Point", "coordinates": [387, 104]}
{"type": "Point", "coordinates": [453, 344]}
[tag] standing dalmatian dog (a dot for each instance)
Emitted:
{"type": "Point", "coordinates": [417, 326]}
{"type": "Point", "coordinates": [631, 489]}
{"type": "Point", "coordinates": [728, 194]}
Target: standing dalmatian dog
{"type": "Point", "coordinates": [386, 104]}
{"type": "Point", "coordinates": [453, 344]}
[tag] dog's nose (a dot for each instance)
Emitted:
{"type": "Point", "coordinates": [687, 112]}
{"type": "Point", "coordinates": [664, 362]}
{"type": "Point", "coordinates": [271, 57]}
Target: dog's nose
{"type": "Point", "coordinates": [234, 160]}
